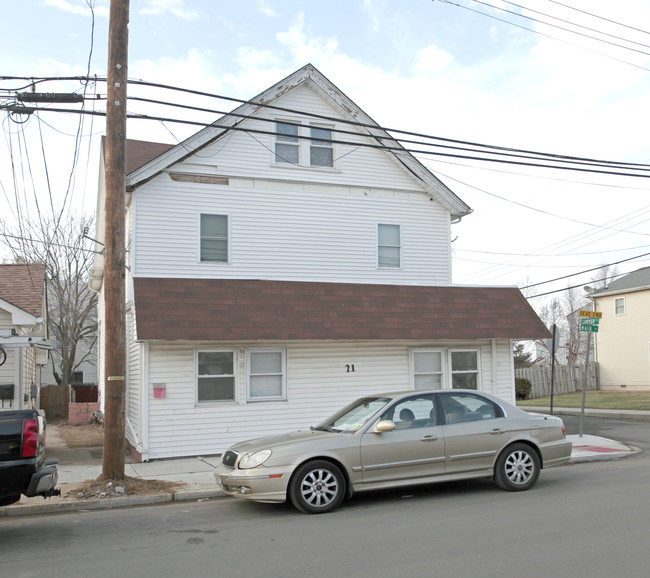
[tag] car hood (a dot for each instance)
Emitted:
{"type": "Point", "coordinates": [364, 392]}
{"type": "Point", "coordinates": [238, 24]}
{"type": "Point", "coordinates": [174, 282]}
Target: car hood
{"type": "Point", "coordinates": [285, 440]}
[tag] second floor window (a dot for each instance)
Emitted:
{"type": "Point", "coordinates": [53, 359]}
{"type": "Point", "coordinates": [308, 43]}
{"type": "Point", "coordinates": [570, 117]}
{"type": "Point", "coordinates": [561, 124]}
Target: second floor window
{"type": "Point", "coordinates": [619, 306]}
{"type": "Point", "coordinates": [214, 238]}
{"type": "Point", "coordinates": [303, 145]}
{"type": "Point", "coordinates": [388, 246]}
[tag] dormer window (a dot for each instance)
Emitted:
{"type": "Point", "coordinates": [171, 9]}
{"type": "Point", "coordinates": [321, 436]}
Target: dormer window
{"type": "Point", "coordinates": [302, 145]}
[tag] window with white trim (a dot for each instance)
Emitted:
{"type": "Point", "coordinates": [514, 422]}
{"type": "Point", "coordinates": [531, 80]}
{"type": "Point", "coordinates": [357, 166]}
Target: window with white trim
{"type": "Point", "coordinates": [303, 145]}
{"type": "Point", "coordinates": [619, 305]}
{"type": "Point", "coordinates": [214, 238]}
{"type": "Point", "coordinates": [321, 151]}
{"type": "Point", "coordinates": [287, 145]}
{"type": "Point", "coordinates": [215, 376]}
{"type": "Point", "coordinates": [464, 369]}
{"type": "Point", "coordinates": [428, 369]}
{"type": "Point", "coordinates": [266, 374]}
{"type": "Point", "coordinates": [389, 246]}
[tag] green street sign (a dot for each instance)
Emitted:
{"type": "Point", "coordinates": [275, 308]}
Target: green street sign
{"type": "Point", "coordinates": [589, 327]}
{"type": "Point", "coordinates": [590, 321]}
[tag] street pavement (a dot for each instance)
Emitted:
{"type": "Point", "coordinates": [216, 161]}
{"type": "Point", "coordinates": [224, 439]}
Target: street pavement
{"type": "Point", "coordinates": [196, 473]}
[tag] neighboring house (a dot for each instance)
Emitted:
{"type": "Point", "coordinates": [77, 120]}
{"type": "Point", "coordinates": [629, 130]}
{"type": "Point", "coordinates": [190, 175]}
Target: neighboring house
{"type": "Point", "coordinates": [279, 268]}
{"type": "Point", "coordinates": [23, 334]}
{"type": "Point", "coordinates": [86, 370]}
{"type": "Point", "coordinates": [623, 338]}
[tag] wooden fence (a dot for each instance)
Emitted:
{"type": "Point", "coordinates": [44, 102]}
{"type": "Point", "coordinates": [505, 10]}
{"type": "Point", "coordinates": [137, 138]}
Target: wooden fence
{"type": "Point", "coordinates": [568, 379]}
{"type": "Point", "coordinates": [55, 400]}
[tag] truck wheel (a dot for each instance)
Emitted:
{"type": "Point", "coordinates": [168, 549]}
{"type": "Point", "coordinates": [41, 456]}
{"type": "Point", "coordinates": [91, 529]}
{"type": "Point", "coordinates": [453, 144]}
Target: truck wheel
{"type": "Point", "coordinates": [9, 500]}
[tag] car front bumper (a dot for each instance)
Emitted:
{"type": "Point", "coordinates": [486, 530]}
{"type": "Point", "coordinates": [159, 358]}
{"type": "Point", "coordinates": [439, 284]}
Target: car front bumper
{"type": "Point", "coordinates": [258, 484]}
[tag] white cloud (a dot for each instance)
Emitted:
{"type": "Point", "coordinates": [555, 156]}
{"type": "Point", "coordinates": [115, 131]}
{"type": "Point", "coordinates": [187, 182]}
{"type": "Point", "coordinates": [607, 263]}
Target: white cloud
{"type": "Point", "coordinates": [80, 7]}
{"type": "Point", "coordinates": [175, 7]}
{"type": "Point", "coordinates": [265, 8]}
{"type": "Point", "coordinates": [304, 47]}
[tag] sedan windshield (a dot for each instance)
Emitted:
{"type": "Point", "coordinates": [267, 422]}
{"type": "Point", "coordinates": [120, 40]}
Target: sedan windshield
{"type": "Point", "coordinates": [354, 416]}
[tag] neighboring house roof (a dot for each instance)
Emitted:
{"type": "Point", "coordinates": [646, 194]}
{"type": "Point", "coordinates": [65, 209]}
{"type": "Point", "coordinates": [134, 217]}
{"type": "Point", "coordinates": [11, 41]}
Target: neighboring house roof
{"type": "Point", "coordinates": [635, 281]}
{"type": "Point", "coordinates": [236, 310]}
{"type": "Point", "coordinates": [23, 286]}
{"type": "Point", "coordinates": [434, 187]}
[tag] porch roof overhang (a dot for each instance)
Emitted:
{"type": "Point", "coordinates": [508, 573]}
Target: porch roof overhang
{"type": "Point", "coordinates": [245, 310]}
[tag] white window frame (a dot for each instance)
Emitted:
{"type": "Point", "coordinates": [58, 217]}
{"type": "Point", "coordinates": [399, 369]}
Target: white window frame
{"type": "Point", "coordinates": [303, 143]}
{"type": "Point", "coordinates": [228, 238]}
{"type": "Point", "coordinates": [321, 145]}
{"type": "Point", "coordinates": [283, 356]}
{"type": "Point", "coordinates": [616, 301]}
{"type": "Point", "coordinates": [289, 141]}
{"type": "Point", "coordinates": [443, 366]}
{"type": "Point", "coordinates": [379, 246]}
{"type": "Point", "coordinates": [464, 371]}
{"type": "Point", "coordinates": [197, 352]}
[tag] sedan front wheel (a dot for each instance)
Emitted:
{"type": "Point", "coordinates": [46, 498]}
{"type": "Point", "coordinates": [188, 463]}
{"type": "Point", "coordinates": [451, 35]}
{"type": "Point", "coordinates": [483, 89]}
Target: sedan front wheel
{"type": "Point", "coordinates": [317, 487]}
{"type": "Point", "coordinates": [517, 468]}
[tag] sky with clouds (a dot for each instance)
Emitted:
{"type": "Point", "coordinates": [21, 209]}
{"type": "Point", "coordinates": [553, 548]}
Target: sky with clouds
{"type": "Point", "coordinates": [568, 78]}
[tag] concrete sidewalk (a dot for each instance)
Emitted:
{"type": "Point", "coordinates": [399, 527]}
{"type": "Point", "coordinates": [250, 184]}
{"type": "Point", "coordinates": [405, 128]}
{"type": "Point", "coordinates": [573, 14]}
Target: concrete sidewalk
{"type": "Point", "coordinates": [85, 464]}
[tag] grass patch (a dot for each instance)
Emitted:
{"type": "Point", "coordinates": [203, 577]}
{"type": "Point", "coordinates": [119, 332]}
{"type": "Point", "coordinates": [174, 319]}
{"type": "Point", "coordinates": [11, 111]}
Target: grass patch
{"type": "Point", "coordinates": [594, 400]}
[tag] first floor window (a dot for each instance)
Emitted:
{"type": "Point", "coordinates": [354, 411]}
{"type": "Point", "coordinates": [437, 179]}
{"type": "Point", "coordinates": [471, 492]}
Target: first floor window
{"type": "Point", "coordinates": [216, 376]}
{"type": "Point", "coordinates": [464, 369]}
{"type": "Point", "coordinates": [266, 374]}
{"type": "Point", "coordinates": [427, 370]}
{"type": "Point", "coordinates": [214, 238]}
{"type": "Point", "coordinates": [388, 246]}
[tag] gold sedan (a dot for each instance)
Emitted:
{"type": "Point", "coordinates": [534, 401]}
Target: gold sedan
{"type": "Point", "coordinates": [396, 439]}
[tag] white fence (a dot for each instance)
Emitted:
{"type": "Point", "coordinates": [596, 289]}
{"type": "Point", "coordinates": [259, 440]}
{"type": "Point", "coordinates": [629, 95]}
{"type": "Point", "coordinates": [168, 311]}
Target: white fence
{"type": "Point", "coordinates": [567, 379]}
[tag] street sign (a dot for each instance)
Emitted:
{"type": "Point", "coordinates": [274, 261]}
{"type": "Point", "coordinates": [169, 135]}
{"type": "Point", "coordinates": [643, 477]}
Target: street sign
{"type": "Point", "coordinates": [587, 313]}
{"type": "Point", "coordinates": [590, 321]}
{"type": "Point", "coordinates": [589, 325]}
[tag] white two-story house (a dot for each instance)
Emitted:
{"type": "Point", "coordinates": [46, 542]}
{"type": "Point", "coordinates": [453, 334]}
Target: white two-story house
{"type": "Point", "coordinates": [285, 260]}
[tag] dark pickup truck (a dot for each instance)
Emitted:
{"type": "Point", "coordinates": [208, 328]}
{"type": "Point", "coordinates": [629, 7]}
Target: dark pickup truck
{"type": "Point", "coordinates": [24, 469]}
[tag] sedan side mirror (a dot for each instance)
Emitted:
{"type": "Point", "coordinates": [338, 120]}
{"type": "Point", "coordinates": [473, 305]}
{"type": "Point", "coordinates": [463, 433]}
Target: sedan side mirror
{"type": "Point", "coordinates": [384, 426]}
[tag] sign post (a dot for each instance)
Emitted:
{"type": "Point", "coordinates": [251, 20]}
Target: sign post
{"type": "Point", "coordinates": [589, 322]}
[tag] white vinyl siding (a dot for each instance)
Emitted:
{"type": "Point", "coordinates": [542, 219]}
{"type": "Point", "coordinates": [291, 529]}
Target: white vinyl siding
{"type": "Point", "coordinates": [320, 380]}
{"type": "Point", "coordinates": [622, 343]}
{"type": "Point", "coordinates": [289, 232]}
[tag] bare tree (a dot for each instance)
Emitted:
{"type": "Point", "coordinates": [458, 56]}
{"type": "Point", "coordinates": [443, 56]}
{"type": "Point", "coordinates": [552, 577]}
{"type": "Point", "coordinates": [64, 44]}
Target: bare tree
{"type": "Point", "coordinates": [72, 306]}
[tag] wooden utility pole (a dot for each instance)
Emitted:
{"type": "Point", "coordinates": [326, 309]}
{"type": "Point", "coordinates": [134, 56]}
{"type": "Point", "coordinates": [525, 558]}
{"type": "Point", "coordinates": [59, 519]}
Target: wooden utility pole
{"type": "Point", "coordinates": [115, 266]}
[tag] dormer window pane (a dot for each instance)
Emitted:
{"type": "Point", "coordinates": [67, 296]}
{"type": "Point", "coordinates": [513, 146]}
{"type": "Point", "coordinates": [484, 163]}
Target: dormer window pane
{"type": "Point", "coordinates": [321, 152]}
{"type": "Point", "coordinates": [287, 147]}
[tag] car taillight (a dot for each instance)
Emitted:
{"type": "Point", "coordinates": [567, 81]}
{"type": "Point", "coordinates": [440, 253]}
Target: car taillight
{"type": "Point", "coordinates": [30, 438]}
{"type": "Point", "coordinates": [563, 430]}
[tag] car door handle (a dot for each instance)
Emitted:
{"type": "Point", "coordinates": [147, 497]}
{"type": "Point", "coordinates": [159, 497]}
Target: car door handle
{"type": "Point", "coordinates": [428, 439]}
{"type": "Point", "coordinates": [496, 432]}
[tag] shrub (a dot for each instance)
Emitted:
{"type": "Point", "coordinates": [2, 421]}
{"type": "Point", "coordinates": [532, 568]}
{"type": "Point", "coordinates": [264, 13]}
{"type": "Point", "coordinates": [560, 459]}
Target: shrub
{"type": "Point", "coordinates": [522, 387]}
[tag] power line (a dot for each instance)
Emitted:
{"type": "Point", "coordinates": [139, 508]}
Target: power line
{"type": "Point", "coordinates": [489, 148]}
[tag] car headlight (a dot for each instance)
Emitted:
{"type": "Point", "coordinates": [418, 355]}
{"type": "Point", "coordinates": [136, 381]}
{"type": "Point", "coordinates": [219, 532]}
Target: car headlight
{"type": "Point", "coordinates": [254, 459]}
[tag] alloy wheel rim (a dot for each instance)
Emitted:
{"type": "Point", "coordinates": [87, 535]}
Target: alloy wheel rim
{"type": "Point", "coordinates": [319, 487]}
{"type": "Point", "coordinates": [519, 467]}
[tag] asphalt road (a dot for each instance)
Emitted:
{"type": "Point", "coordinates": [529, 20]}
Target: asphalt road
{"type": "Point", "coordinates": [581, 520]}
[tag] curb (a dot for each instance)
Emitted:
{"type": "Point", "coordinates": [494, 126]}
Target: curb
{"type": "Point", "coordinates": [107, 503]}
{"type": "Point", "coordinates": [628, 414]}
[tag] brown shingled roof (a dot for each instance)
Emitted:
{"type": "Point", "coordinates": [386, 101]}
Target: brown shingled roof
{"type": "Point", "coordinates": [235, 310]}
{"type": "Point", "coordinates": [23, 285]}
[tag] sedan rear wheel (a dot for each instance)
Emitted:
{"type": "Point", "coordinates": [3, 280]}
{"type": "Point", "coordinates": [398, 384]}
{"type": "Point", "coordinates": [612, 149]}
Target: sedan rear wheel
{"type": "Point", "coordinates": [317, 487]}
{"type": "Point", "coordinates": [517, 468]}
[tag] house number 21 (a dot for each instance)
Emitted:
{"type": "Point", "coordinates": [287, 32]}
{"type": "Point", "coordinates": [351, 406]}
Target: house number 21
{"type": "Point", "coordinates": [349, 368]}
